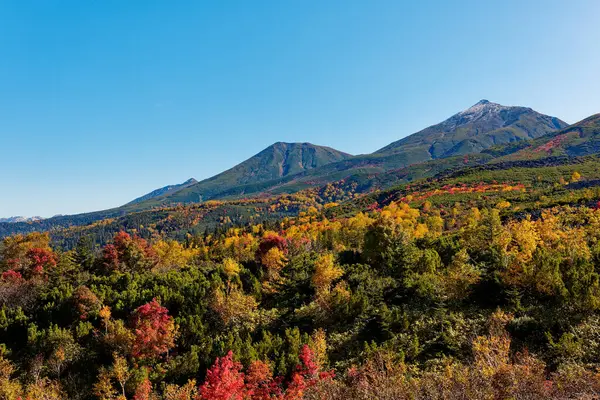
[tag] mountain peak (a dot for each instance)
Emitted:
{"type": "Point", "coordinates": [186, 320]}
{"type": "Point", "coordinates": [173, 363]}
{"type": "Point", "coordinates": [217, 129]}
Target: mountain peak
{"type": "Point", "coordinates": [279, 160]}
{"type": "Point", "coordinates": [470, 131]}
{"type": "Point", "coordinates": [482, 107]}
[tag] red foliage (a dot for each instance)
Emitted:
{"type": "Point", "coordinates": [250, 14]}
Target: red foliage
{"type": "Point", "coordinates": [260, 384]}
{"type": "Point", "coordinates": [123, 241]}
{"type": "Point", "coordinates": [269, 241]}
{"type": "Point", "coordinates": [547, 147]}
{"type": "Point", "coordinates": [154, 331]}
{"type": "Point", "coordinates": [373, 207]}
{"type": "Point", "coordinates": [12, 276]}
{"type": "Point", "coordinates": [224, 381]}
{"type": "Point", "coordinates": [40, 259]}
{"type": "Point", "coordinates": [122, 247]}
{"type": "Point", "coordinates": [110, 255]}
{"type": "Point", "coordinates": [143, 391]}
{"type": "Point", "coordinates": [85, 302]}
{"type": "Point", "coordinates": [307, 374]}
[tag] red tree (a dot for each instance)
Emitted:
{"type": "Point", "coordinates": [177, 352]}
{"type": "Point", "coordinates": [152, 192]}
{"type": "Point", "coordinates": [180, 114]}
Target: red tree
{"type": "Point", "coordinates": [131, 252]}
{"type": "Point", "coordinates": [40, 259]}
{"type": "Point", "coordinates": [154, 331]}
{"type": "Point", "coordinates": [143, 391]}
{"type": "Point", "coordinates": [260, 384]}
{"type": "Point", "coordinates": [12, 276]}
{"type": "Point", "coordinates": [307, 374]}
{"type": "Point", "coordinates": [110, 256]}
{"type": "Point", "coordinates": [269, 241]}
{"type": "Point", "coordinates": [224, 381]}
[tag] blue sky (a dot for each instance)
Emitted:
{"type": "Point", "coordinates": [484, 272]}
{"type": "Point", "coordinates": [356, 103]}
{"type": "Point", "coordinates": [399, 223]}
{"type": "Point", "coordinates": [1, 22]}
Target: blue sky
{"type": "Point", "coordinates": [103, 101]}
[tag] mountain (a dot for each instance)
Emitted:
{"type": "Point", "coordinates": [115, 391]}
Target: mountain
{"type": "Point", "coordinates": [579, 139]}
{"type": "Point", "coordinates": [492, 130]}
{"type": "Point", "coordinates": [277, 161]}
{"type": "Point", "coordinates": [479, 127]}
{"type": "Point", "coordinates": [170, 189]}
{"type": "Point", "coordinates": [14, 220]}
{"type": "Point", "coordinates": [272, 171]}
{"type": "Point", "coordinates": [475, 129]}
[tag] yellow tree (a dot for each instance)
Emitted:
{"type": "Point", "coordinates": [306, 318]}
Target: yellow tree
{"type": "Point", "coordinates": [273, 260]}
{"type": "Point", "coordinates": [234, 306]}
{"type": "Point", "coordinates": [10, 388]}
{"type": "Point", "coordinates": [325, 273]}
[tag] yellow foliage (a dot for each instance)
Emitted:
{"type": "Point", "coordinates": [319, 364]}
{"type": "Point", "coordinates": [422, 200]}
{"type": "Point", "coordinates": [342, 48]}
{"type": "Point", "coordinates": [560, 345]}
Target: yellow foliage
{"type": "Point", "coordinates": [274, 259]}
{"type": "Point", "coordinates": [173, 254]}
{"type": "Point", "coordinates": [503, 204]}
{"type": "Point", "coordinates": [234, 306]}
{"type": "Point", "coordinates": [16, 247]}
{"type": "Point", "coordinates": [325, 273]}
{"type": "Point", "coordinates": [231, 267]}
{"type": "Point", "coordinates": [318, 344]}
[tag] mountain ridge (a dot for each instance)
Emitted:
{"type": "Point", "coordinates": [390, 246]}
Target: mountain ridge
{"type": "Point", "coordinates": [290, 167]}
{"type": "Point", "coordinates": [474, 129]}
{"type": "Point", "coordinates": [164, 190]}
{"type": "Point", "coordinates": [279, 160]}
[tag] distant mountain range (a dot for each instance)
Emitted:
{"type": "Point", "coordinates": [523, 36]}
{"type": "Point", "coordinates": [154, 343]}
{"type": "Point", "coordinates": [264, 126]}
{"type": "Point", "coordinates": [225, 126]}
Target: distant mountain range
{"type": "Point", "coordinates": [480, 134]}
{"type": "Point", "coordinates": [170, 189]}
{"type": "Point", "coordinates": [13, 220]}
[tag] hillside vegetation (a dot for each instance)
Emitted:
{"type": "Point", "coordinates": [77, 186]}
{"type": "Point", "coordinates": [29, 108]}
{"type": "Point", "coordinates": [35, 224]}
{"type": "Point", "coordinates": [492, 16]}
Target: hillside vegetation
{"type": "Point", "coordinates": [482, 282]}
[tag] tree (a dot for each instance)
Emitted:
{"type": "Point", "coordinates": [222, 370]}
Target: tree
{"type": "Point", "coordinates": [128, 253]}
{"type": "Point", "coordinates": [40, 260]}
{"type": "Point", "coordinates": [10, 388]}
{"type": "Point", "coordinates": [260, 384]}
{"type": "Point", "coordinates": [231, 267]}
{"type": "Point", "coordinates": [271, 240]}
{"type": "Point", "coordinates": [143, 390]}
{"type": "Point", "coordinates": [119, 372]}
{"type": "Point", "coordinates": [86, 302]}
{"type": "Point", "coordinates": [234, 306]}
{"type": "Point", "coordinates": [14, 249]}
{"type": "Point", "coordinates": [189, 391]}
{"type": "Point", "coordinates": [224, 380]}
{"type": "Point", "coordinates": [306, 375]}
{"type": "Point", "coordinates": [325, 273]}
{"type": "Point", "coordinates": [154, 331]}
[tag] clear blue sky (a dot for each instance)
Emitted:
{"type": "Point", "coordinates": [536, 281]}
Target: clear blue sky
{"type": "Point", "coordinates": [103, 101]}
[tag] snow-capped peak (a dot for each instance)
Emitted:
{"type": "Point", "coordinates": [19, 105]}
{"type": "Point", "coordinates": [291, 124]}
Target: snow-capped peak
{"type": "Point", "coordinates": [480, 108]}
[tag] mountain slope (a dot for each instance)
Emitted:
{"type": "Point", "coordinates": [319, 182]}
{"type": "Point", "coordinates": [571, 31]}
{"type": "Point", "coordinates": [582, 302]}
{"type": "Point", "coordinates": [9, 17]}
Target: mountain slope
{"type": "Point", "coordinates": [479, 127]}
{"type": "Point", "coordinates": [579, 139]}
{"type": "Point", "coordinates": [290, 167]}
{"type": "Point", "coordinates": [475, 129]}
{"type": "Point", "coordinates": [277, 161]}
{"type": "Point", "coordinates": [170, 189]}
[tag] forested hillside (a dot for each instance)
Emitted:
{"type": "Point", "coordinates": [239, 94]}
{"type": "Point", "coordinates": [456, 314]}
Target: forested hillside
{"type": "Point", "coordinates": [482, 282]}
